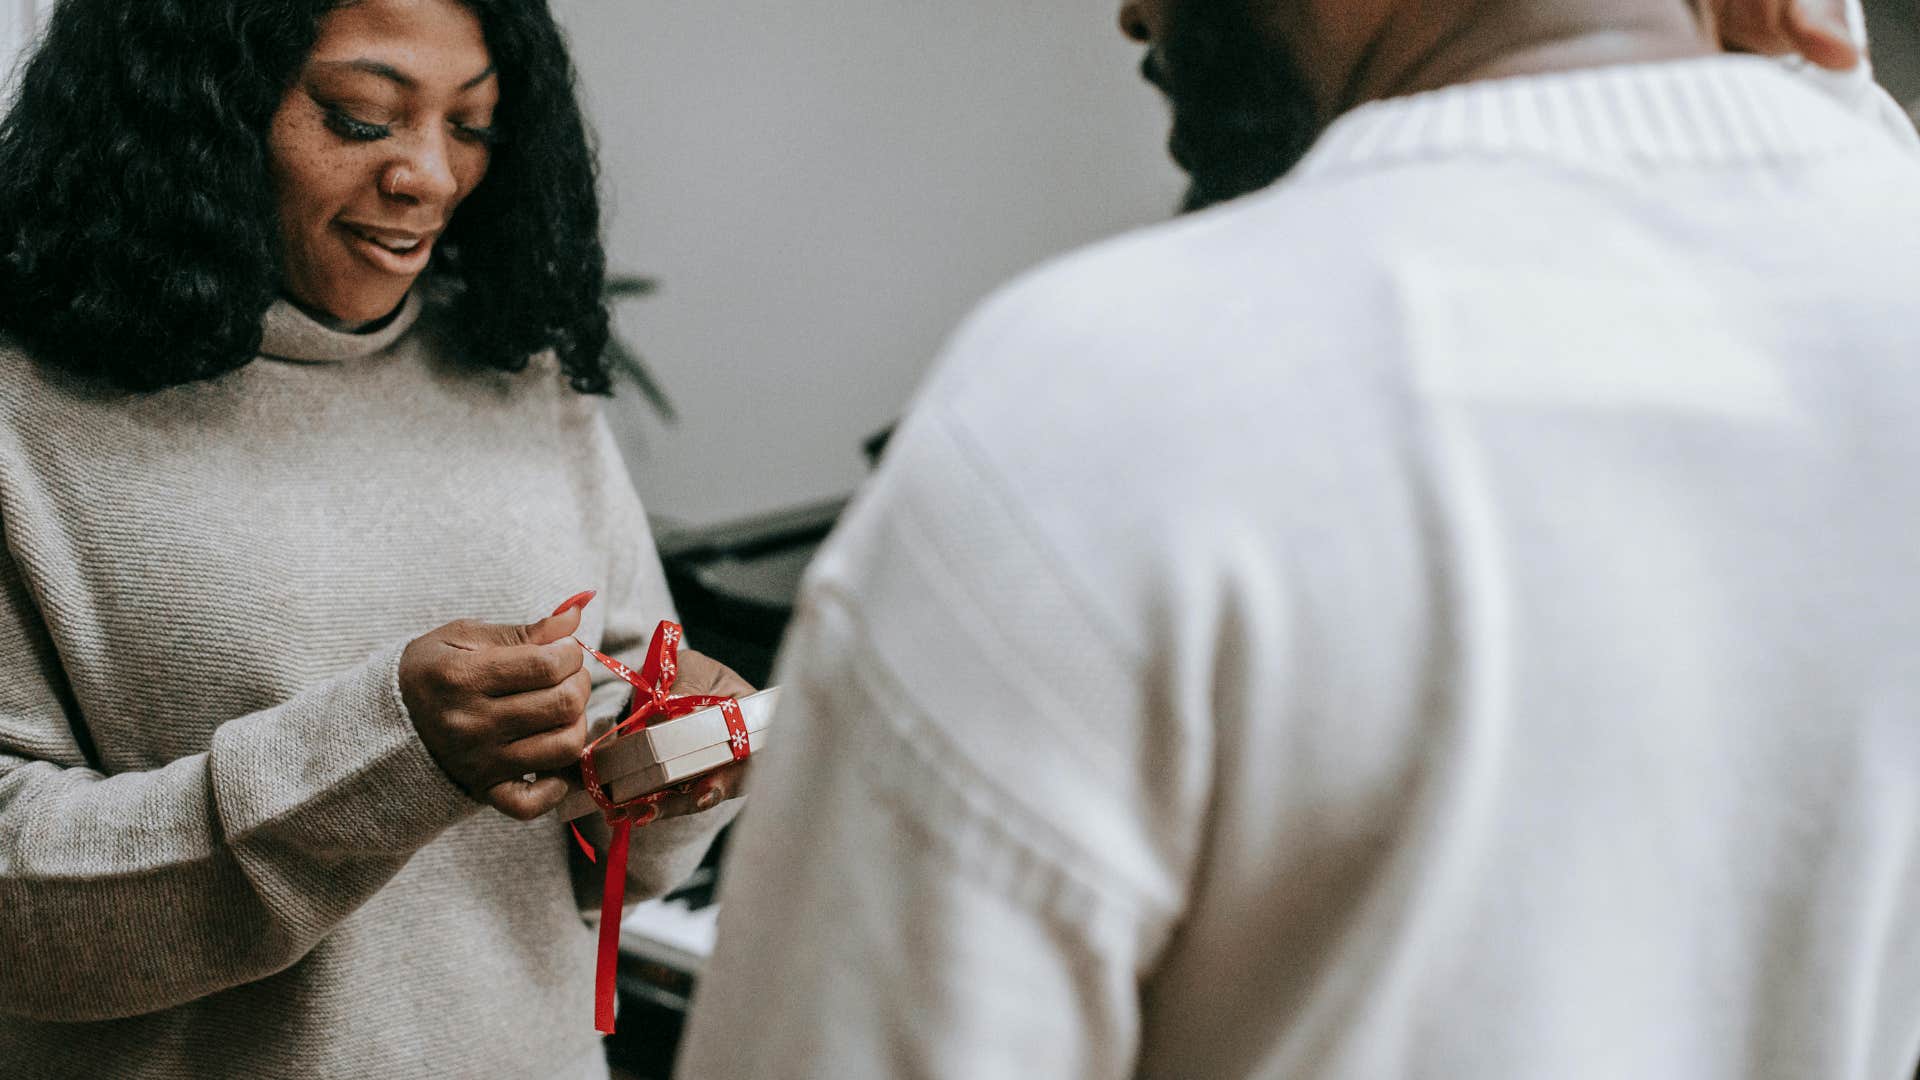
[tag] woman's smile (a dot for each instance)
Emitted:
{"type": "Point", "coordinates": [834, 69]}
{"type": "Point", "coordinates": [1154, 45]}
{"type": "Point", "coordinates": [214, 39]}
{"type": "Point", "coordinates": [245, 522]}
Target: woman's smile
{"type": "Point", "coordinates": [393, 251]}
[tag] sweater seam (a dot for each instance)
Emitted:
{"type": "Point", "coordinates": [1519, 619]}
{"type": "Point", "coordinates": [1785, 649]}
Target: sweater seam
{"type": "Point", "coordinates": [1629, 165]}
{"type": "Point", "coordinates": [994, 484]}
{"type": "Point", "coordinates": [1078, 867]}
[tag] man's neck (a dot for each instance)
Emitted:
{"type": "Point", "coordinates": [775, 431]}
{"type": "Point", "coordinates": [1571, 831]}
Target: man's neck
{"type": "Point", "coordinates": [1495, 39]}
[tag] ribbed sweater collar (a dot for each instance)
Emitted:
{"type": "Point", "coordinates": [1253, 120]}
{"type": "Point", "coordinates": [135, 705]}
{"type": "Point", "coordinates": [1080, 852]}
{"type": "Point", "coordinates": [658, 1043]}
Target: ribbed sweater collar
{"type": "Point", "coordinates": [291, 334]}
{"type": "Point", "coordinates": [1715, 111]}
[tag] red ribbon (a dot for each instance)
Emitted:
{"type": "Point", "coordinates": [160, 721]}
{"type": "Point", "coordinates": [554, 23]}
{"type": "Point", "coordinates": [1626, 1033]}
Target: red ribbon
{"type": "Point", "coordinates": [649, 702]}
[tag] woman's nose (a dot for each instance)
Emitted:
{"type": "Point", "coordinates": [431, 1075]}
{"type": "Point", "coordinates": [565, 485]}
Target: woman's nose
{"type": "Point", "coordinates": [423, 175]}
{"type": "Point", "coordinates": [1134, 23]}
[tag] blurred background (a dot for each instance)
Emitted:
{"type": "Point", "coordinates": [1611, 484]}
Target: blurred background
{"type": "Point", "coordinates": [1894, 26]}
{"type": "Point", "coordinates": [822, 193]}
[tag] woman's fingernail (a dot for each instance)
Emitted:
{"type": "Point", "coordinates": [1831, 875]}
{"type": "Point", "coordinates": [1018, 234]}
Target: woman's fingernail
{"type": "Point", "coordinates": [709, 798]}
{"type": "Point", "coordinates": [577, 600]}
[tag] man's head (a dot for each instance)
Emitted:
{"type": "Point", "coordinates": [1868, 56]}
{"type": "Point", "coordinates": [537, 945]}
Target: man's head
{"type": "Point", "coordinates": [1243, 113]}
{"type": "Point", "coordinates": [1254, 82]}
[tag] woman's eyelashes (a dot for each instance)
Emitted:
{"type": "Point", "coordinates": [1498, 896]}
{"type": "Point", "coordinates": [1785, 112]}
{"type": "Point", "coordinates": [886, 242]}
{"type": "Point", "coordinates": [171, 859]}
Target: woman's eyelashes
{"type": "Point", "coordinates": [350, 127]}
{"type": "Point", "coordinates": [484, 134]}
{"type": "Point", "coordinates": [354, 129]}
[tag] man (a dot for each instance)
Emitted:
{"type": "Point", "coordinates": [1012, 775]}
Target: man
{"type": "Point", "coordinates": [1452, 614]}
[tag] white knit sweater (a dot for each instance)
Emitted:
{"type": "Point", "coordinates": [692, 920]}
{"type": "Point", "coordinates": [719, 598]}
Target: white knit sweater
{"type": "Point", "coordinates": [1453, 615]}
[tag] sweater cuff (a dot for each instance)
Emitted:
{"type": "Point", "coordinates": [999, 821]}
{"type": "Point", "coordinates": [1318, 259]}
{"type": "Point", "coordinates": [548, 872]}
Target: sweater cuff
{"type": "Point", "coordinates": [340, 763]}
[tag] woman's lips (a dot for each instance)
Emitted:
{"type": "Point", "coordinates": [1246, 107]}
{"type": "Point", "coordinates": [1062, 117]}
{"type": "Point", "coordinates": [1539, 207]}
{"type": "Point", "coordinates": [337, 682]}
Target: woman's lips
{"type": "Point", "coordinates": [390, 250]}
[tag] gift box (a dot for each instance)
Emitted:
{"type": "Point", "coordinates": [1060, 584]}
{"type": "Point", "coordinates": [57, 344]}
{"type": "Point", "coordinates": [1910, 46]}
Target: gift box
{"type": "Point", "coordinates": [671, 752]}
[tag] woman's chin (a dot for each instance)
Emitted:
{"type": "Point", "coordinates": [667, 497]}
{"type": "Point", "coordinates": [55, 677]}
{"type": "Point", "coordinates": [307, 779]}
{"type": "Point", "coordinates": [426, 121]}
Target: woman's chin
{"type": "Point", "coordinates": [352, 312]}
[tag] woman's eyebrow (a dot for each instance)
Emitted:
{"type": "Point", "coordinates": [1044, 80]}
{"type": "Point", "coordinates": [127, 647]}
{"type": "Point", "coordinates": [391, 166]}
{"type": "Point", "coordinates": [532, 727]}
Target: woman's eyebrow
{"type": "Point", "coordinates": [395, 75]}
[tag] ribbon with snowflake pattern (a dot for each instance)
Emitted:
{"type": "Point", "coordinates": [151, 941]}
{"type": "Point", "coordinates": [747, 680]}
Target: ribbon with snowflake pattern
{"type": "Point", "coordinates": [650, 702]}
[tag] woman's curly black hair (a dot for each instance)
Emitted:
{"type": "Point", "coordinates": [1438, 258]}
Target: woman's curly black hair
{"type": "Point", "coordinates": [138, 232]}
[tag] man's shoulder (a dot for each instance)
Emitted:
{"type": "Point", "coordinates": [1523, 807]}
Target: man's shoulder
{"type": "Point", "coordinates": [1290, 251]}
{"type": "Point", "coordinates": [1286, 296]}
{"type": "Point", "coordinates": [1121, 405]}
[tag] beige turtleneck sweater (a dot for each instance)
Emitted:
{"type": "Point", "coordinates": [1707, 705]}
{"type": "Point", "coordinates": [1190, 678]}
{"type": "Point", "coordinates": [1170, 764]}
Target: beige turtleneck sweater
{"type": "Point", "coordinates": [223, 849]}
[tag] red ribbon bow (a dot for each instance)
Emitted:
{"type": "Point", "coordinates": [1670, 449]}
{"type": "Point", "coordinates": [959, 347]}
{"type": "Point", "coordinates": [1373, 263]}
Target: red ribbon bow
{"type": "Point", "coordinates": [649, 702]}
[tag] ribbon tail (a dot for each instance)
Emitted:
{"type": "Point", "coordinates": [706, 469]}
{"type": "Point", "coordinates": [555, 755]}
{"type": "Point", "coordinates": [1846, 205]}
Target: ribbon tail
{"type": "Point", "coordinates": [582, 841]}
{"type": "Point", "coordinates": [612, 897]}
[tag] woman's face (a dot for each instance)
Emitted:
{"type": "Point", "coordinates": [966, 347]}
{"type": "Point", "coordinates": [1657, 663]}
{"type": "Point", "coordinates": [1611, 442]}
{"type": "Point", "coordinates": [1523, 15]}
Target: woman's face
{"type": "Point", "coordinates": [384, 131]}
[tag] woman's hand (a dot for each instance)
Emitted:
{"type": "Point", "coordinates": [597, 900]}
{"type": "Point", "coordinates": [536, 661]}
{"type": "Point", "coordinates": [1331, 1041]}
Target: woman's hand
{"type": "Point", "coordinates": [494, 704]}
{"type": "Point", "coordinates": [702, 674]}
{"type": "Point", "coordinates": [1815, 29]}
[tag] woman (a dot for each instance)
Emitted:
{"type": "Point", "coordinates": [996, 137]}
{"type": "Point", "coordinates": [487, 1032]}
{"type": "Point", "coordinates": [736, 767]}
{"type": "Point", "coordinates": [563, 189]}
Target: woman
{"type": "Point", "coordinates": [300, 301]}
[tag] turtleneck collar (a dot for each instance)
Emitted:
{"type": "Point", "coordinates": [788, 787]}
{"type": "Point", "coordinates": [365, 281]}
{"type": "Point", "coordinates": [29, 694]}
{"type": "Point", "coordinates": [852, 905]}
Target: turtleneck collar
{"type": "Point", "coordinates": [291, 334]}
{"type": "Point", "coordinates": [1722, 110]}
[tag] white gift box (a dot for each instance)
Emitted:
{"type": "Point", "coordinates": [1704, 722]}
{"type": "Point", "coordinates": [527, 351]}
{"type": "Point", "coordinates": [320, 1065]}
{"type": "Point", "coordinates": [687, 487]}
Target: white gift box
{"type": "Point", "coordinates": [671, 752]}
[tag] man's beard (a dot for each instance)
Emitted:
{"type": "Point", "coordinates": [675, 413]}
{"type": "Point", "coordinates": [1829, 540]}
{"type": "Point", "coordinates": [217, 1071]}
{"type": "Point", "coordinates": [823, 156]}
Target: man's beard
{"type": "Point", "coordinates": [1243, 115]}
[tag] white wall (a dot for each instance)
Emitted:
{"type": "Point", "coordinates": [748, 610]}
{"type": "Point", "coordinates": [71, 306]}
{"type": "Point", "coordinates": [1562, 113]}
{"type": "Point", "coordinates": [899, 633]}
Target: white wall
{"type": "Point", "coordinates": [823, 191]}
{"type": "Point", "coordinates": [18, 21]}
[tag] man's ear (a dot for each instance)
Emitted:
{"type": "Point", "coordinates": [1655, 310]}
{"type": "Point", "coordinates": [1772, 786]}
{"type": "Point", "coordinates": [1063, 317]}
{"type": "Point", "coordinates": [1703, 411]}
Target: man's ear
{"type": "Point", "coordinates": [1815, 29]}
{"type": "Point", "coordinates": [1819, 31]}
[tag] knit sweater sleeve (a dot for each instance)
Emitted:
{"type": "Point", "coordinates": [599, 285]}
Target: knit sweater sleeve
{"type": "Point", "coordinates": [131, 893]}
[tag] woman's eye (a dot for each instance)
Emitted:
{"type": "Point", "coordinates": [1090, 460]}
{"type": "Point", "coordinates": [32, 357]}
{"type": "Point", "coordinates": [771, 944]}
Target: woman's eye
{"type": "Point", "coordinates": [347, 127]}
{"type": "Point", "coordinates": [484, 134]}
